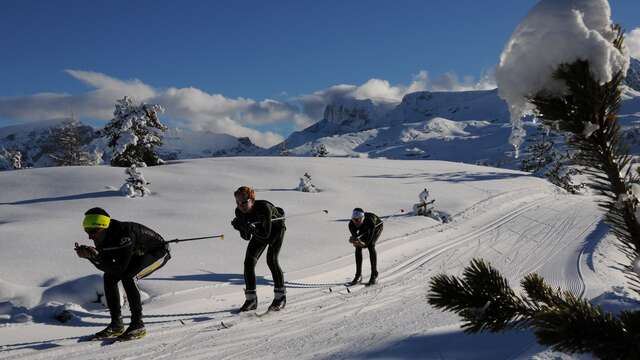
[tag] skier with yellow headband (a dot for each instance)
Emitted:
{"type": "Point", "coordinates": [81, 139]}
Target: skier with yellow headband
{"type": "Point", "coordinates": [126, 252]}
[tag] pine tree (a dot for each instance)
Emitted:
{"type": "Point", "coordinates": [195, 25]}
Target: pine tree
{"type": "Point", "coordinates": [320, 151]}
{"type": "Point", "coordinates": [134, 133]}
{"type": "Point", "coordinates": [66, 145]}
{"type": "Point", "coordinates": [306, 185]}
{"type": "Point", "coordinates": [10, 159]}
{"type": "Point", "coordinates": [283, 149]}
{"type": "Point", "coordinates": [544, 158]}
{"type": "Point", "coordinates": [483, 298]}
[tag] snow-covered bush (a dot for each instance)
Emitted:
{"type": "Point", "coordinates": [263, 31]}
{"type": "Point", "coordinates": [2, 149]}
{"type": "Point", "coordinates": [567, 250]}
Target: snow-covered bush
{"type": "Point", "coordinates": [426, 207]}
{"type": "Point", "coordinates": [320, 151]}
{"type": "Point", "coordinates": [134, 133]}
{"type": "Point", "coordinates": [305, 184]}
{"type": "Point", "coordinates": [135, 184]}
{"type": "Point", "coordinates": [10, 159]}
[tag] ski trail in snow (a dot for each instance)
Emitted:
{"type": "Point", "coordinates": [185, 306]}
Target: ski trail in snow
{"type": "Point", "coordinates": [514, 230]}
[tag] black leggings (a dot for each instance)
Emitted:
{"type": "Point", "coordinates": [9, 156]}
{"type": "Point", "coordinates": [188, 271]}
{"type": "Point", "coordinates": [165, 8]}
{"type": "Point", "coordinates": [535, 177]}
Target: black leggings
{"type": "Point", "coordinates": [112, 293]}
{"type": "Point", "coordinates": [254, 251]}
{"type": "Point", "coordinates": [373, 256]}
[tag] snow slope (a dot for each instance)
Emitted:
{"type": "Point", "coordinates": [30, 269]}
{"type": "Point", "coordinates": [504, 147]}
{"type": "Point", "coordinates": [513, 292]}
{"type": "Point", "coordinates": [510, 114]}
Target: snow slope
{"type": "Point", "coordinates": [518, 222]}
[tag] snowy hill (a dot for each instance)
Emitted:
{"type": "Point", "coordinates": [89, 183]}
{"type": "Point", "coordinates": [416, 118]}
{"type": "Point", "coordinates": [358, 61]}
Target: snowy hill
{"type": "Point", "coordinates": [188, 144]}
{"type": "Point", "coordinates": [518, 222]}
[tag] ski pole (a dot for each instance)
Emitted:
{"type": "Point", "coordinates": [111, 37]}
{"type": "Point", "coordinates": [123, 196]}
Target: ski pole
{"type": "Point", "coordinates": [294, 215]}
{"type": "Point", "coordinates": [221, 236]}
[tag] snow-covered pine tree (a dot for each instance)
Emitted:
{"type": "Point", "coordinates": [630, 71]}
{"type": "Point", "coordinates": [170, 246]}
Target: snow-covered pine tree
{"type": "Point", "coordinates": [134, 133]}
{"type": "Point", "coordinates": [305, 184]}
{"type": "Point", "coordinates": [66, 143]}
{"type": "Point", "coordinates": [10, 159]}
{"type": "Point", "coordinates": [544, 158]}
{"type": "Point", "coordinates": [135, 184]}
{"type": "Point", "coordinates": [560, 319]}
{"type": "Point", "coordinates": [283, 149]}
{"type": "Point", "coordinates": [320, 151]}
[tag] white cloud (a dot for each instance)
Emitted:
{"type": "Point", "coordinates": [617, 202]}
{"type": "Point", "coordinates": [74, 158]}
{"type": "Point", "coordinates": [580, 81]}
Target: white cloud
{"type": "Point", "coordinates": [381, 90]}
{"type": "Point", "coordinates": [632, 41]}
{"type": "Point", "coordinates": [191, 107]}
{"type": "Point", "coordinates": [450, 82]}
{"type": "Point", "coordinates": [107, 86]}
{"type": "Point", "coordinates": [196, 109]}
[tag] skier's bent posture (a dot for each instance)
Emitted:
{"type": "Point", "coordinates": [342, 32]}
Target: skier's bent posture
{"type": "Point", "coordinates": [124, 251]}
{"type": "Point", "coordinates": [365, 228]}
{"type": "Point", "coordinates": [255, 222]}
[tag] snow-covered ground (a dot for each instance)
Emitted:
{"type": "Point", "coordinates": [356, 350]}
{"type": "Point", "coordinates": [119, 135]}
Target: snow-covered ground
{"type": "Point", "coordinates": [518, 222]}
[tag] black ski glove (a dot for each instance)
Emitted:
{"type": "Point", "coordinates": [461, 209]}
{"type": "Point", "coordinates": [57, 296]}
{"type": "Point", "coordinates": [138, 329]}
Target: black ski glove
{"type": "Point", "coordinates": [236, 224]}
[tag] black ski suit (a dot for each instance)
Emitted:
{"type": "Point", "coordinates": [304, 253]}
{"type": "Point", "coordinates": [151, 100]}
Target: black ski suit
{"type": "Point", "coordinates": [257, 227]}
{"type": "Point", "coordinates": [129, 251]}
{"type": "Point", "coordinates": [368, 233]}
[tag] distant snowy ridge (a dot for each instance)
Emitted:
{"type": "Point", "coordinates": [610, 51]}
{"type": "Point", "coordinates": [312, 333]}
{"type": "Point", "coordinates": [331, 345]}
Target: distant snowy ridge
{"type": "Point", "coordinates": [188, 144]}
{"type": "Point", "coordinates": [469, 126]}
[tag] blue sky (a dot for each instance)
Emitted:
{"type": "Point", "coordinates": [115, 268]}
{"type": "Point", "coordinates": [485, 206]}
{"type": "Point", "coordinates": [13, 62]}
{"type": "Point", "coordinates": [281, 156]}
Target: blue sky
{"type": "Point", "coordinates": [238, 54]}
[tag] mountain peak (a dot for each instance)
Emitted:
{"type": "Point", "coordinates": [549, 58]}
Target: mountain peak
{"type": "Point", "coordinates": [633, 75]}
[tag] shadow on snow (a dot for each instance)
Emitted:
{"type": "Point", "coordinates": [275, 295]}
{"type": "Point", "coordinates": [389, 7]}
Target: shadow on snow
{"type": "Point", "coordinates": [454, 345]}
{"type": "Point", "coordinates": [92, 195]}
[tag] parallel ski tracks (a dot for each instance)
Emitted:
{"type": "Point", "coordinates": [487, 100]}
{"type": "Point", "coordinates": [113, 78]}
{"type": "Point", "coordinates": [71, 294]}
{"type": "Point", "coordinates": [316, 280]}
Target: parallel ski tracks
{"type": "Point", "coordinates": [213, 339]}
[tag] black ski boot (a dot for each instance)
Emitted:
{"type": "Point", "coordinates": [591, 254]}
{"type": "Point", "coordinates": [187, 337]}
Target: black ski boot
{"type": "Point", "coordinates": [355, 280]}
{"type": "Point", "coordinates": [116, 328]}
{"type": "Point", "coordinates": [279, 300]}
{"type": "Point", "coordinates": [136, 330]}
{"type": "Point", "coordinates": [251, 302]}
{"type": "Point", "coordinates": [373, 279]}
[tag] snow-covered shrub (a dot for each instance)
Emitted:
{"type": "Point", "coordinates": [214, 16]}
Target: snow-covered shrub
{"type": "Point", "coordinates": [135, 184]}
{"type": "Point", "coordinates": [134, 133]}
{"type": "Point", "coordinates": [320, 151]}
{"type": "Point", "coordinates": [10, 159]}
{"type": "Point", "coordinates": [426, 207]}
{"type": "Point", "coordinates": [305, 184]}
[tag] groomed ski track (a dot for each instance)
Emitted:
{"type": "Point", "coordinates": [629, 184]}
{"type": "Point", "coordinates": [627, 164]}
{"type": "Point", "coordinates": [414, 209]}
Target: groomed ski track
{"type": "Point", "coordinates": [518, 232]}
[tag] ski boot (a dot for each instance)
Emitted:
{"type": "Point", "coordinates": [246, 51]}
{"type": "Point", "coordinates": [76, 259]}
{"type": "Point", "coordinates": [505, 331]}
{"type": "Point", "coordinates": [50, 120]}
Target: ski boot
{"type": "Point", "coordinates": [136, 330]}
{"type": "Point", "coordinates": [373, 279]}
{"type": "Point", "coordinates": [279, 300]}
{"type": "Point", "coordinates": [251, 302]}
{"type": "Point", "coordinates": [355, 280]}
{"type": "Point", "coordinates": [116, 328]}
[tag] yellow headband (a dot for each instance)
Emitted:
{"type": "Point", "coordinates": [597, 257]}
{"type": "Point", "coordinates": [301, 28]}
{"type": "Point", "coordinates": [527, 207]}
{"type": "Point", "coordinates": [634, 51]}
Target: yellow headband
{"type": "Point", "coordinates": [96, 221]}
